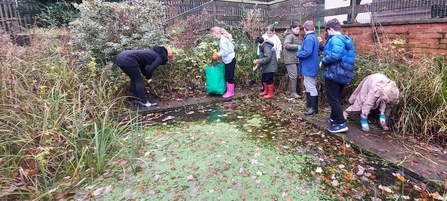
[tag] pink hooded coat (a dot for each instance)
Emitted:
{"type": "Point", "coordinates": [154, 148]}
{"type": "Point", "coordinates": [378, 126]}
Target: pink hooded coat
{"type": "Point", "coordinates": [369, 96]}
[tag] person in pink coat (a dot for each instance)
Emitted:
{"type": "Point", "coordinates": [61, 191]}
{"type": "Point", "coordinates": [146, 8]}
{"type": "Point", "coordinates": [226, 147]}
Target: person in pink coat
{"type": "Point", "coordinates": [376, 91]}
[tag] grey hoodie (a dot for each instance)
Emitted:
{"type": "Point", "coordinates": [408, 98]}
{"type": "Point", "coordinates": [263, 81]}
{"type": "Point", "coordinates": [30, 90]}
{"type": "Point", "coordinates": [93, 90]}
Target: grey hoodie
{"type": "Point", "coordinates": [291, 43]}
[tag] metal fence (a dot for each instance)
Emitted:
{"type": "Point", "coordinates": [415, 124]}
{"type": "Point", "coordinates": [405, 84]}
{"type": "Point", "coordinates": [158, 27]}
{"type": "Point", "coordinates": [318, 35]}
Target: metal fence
{"type": "Point", "coordinates": [231, 12]}
{"type": "Point", "coordinates": [347, 11]}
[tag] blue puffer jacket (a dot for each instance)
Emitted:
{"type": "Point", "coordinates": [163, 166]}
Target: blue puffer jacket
{"type": "Point", "coordinates": [338, 60]}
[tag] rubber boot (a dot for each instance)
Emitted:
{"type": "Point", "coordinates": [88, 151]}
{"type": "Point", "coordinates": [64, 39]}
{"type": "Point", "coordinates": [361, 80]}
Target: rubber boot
{"type": "Point", "coordinates": [263, 93]}
{"type": "Point", "coordinates": [314, 106]}
{"type": "Point", "coordinates": [230, 91]}
{"type": "Point", "coordinates": [308, 105]}
{"type": "Point", "coordinates": [270, 89]}
{"type": "Point", "coordinates": [292, 88]}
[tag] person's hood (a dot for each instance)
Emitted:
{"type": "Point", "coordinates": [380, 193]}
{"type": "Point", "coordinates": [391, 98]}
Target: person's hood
{"type": "Point", "coordinates": [346, 40]}
{"type": "Point", "coordinates": [160, 50]}
{"type": "Point", "coordinates": [267, 42]}
{"type": "Point", "coordinates": [288, 32]}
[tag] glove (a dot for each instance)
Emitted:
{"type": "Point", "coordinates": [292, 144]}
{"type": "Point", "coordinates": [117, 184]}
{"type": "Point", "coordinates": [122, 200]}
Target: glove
{"type": "Point", "coordinates": [382, 120]}
{"type": "Point", "coordinates": [320, 39]}
{"type": "Point", "coordinates": [364, 122]}
{"type": "Point", "coordinates": [299, 47]}
{"type": "Point", "coordinates": [215, 56]}
{"type": "Point", "coordinates": [256, 61]}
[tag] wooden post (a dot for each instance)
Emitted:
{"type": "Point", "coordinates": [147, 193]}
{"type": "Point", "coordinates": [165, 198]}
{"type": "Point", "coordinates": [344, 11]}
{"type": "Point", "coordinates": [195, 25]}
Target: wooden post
{"type": "Point", "coordinates": [352, 10]}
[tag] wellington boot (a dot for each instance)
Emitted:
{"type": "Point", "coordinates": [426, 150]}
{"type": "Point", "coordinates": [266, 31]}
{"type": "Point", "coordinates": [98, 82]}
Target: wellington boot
{"type": "Point", "coordinates": [270, 90]}
{"type": "Point", "coordinates": [314, 106]}
{"type": "Point", "coordinates": [308, 105]}
{"type": "Point", "coordinates": [230, 91]}
{"type": "Point", "coordinates": [292, 88]}
{"type": "Point", "coordinates": [263, 93]}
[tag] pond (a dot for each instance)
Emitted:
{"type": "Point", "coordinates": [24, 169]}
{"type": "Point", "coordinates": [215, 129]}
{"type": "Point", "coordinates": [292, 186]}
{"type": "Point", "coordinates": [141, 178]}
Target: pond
{"type": "Point", "coordinates": [243, 150]}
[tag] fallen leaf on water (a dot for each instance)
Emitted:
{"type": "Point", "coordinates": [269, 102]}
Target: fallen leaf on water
{"type": "Point", "coordinates": [108, 189]}
{"type": "Point", "coordinates": [361, 170]}
{"type": "Point", "coordinates": [97, 192]}
{"type": "Point", "coordinates": [190, 177]}
{"type": "Point", "coordinates": [348, 175]}
{"type": "Point", "coordinates": [335, 183]}
{"type": "Point", "coordinates": [385, 188]}
{"type": "Point", "coordinates": [400, 177]}
{"type": "Point", "coordinates": [264, 193]}
{"type": "Point", "coordinates": [436, 196]}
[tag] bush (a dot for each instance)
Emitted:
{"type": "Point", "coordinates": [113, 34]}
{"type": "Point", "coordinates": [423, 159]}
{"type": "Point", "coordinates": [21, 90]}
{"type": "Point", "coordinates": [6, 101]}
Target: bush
{"type": "Point", "coordinates": [59, 14]}
{"type": "Point", "coordinates": [105, 29]}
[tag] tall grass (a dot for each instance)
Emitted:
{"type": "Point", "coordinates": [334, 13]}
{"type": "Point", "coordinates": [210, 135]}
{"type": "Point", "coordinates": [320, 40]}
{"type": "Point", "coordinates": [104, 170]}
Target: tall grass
{"type": "Point", "coordinates": [57, 117]}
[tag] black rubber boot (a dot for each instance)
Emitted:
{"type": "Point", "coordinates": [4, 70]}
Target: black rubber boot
{"type": "Point", "coordinates": [314, 106]}
{"type": "Point", "coordinates": [308, 105]}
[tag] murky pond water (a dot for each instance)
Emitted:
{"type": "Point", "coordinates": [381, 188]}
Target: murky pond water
{"type": "Point", "coordinates": [243, 151]}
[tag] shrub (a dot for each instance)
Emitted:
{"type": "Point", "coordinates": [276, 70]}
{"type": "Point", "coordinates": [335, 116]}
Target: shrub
{"type": "Point", "coordinates": [59, 14]}
{"type": "Point", "coordinates": [105, 28]}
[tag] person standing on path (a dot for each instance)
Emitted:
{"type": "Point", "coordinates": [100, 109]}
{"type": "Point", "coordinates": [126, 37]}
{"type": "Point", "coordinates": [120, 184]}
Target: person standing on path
{"type": "Point", "coordinates": [308, 55]}
{"type": "Point", "coordinates": [291, 44]}
{"type": "Point", "coordinates": [376, 91]}
{"type": "Point", "coordinates": [269, 65]}
{"type": "Point", "coordinates": [338, 62]}
{"type": "Point", "coordinates": [226, 51]}
{"type": "Point", "coordinates": [137, 62]}
{"type": "Point", "coordinates": [270, 34]}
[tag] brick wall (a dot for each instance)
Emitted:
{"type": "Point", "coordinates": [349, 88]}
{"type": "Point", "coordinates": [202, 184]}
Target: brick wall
{"type": "Point", "coordinates": [421, 38]}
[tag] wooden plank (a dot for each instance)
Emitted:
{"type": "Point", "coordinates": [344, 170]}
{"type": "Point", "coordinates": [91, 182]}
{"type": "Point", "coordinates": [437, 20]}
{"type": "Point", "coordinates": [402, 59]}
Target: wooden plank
{"type": "Point", "coordinates": [2, 16]}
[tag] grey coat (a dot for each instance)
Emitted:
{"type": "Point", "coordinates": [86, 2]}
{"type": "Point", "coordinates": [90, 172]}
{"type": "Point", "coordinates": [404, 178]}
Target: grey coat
{"type": "Point", "coordinates": [267, 57]}
{"type": "Point", "coordinates": [291, 43]}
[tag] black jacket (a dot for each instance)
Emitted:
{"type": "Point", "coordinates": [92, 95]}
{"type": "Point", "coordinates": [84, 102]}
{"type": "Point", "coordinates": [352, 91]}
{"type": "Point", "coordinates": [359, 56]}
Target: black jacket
{"type": "Point", "coordinates": [147, 60]}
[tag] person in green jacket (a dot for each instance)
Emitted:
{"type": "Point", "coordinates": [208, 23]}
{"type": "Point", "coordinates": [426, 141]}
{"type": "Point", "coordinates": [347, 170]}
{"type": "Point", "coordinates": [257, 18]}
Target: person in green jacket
{"type": "Point", "coordinates": [269, 65]}
{"type": "Point", "coordinates": [291, 44]}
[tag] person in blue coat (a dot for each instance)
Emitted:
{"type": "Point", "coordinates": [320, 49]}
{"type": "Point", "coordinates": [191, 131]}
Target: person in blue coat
{"type": "Point", "coordinates": [308, 55]}
{"type": "Point", "coordinates": [338, 62]}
